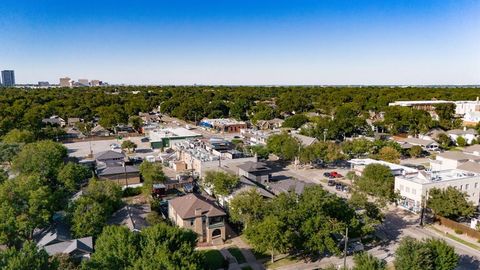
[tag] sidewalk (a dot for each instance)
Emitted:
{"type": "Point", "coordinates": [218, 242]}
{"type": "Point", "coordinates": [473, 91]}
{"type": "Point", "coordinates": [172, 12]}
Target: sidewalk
{"type": "Point", "coordinates": [450, 233]}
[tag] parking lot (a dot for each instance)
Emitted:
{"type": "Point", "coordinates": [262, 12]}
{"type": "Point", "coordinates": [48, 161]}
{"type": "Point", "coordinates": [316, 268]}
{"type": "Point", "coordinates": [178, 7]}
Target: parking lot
{"type": "Point", "coordinates": [83, 149]}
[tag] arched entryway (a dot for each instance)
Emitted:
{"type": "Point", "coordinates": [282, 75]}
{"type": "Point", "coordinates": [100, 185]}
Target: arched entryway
{"type": "Point", "coordinates": [216, 233]}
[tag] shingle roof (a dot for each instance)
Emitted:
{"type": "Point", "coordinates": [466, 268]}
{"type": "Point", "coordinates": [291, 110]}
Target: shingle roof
{"type": "Point", "coordinates": [83, 245]}
{"type": "Point", "coordinates": [455, 155]}
{"type": "Point", "coordinates": [470, 166]}
{"type": "Point", "coordinates": [472, 148]}
{"type": "Point", "coordinates": [185, 206]}
{"type": "Point", "coordinates": [109, 154]}
{"type": "Point", "coordinates": [112, 170]}
{"type": "Point", "coordinates": [132, 216]}
{"type": "Point", "coordinates": [288, 185]}
{"type": "Point", "coordinates": [462, 132]}
{"type": "Point", "coordinates": [251, 166]}
{"type": "Point", "coordinates": [57, 232]}
{"type": "Point", "coordinates": [305, 140]}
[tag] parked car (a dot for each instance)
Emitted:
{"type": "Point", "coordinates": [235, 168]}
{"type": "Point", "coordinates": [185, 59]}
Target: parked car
{"type": "Point", "coordinates": [335, 174]}
{"type": "Point", "coordinates": [331, 183]}
{"type": "Point", "coordinates": [346, 189]}
{"type": "Point", "coordinates": [339, 186]}
{"type": "Point", "coordinates": [114, 146]}
{"type": "Point", "coordinates": [144, 139]}
{"type": "Point", "coordinates": [326, 174]}
{"type": "Point", "coordinates": [355, 247]}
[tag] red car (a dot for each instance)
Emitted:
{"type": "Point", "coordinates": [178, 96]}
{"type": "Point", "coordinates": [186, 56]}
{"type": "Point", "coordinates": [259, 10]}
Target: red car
{"type": "Point", "coordinates": [334, 174]}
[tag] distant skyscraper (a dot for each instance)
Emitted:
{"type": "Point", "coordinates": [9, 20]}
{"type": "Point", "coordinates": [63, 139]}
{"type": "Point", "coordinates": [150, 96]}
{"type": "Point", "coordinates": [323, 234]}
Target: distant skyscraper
{"type": "Point", "coordinates": [65, 82]}
{"type": "Point", "coordinates": [43, 84]}
{"type": "Point", "coordinates": [83, 82]}
{"type": "Point", "coordinates": [8, 78]}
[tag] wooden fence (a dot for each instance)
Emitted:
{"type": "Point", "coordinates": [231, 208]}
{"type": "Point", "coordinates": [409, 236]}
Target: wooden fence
{"type": "Point", "coordinates": [458, 226]}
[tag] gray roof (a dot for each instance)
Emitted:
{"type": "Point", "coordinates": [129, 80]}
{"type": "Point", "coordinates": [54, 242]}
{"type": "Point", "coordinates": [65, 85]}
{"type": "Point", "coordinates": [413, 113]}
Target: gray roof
{"type": "Point", "coordinates": [455, 155]}
{"type": "Point", "coordinates": [109, 155]}
{"type": "Point", "coordinates": [185, 206]}
{"type": "Point", "coordinates": [57, 232]}
{"type": "Point", "coordinates": [251, 166]}
{"type": "Point", "coordinates": [470, 166]}
{"type": "Point", "coordinates": [463, 132]}
{"type": "Point", "coordinates": [261, 191]}
{"type": "Point", "coordinates": [417, 141]}
{"type": "Point", "coordinates": [81, 245]}
{"type": "Point", "coordinates": [98, 128]}
{"type": "Point", "coordinates": [116, 169]}
{"type": "Point", "coordinates": [133, 216]}
{"type": "Point", "coordinates": [305, 140]}
{"type": "Point", "coordinates": [284, 186]}
{"type": "Point", "coordinates": [472, 148]}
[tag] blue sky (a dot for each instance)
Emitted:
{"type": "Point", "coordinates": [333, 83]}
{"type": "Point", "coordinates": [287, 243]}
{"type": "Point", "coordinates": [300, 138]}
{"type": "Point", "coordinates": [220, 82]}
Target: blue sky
{"type": "Point", "coordinates": [243, 42]}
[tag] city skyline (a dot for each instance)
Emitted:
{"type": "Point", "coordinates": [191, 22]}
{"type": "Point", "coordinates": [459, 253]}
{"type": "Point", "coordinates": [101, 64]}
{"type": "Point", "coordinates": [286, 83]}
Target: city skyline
{"type": "Point", "coordinates": [244, 43]}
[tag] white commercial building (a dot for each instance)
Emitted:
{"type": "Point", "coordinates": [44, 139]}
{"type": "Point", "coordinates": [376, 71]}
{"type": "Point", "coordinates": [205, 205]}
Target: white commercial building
{"type": "Point", "coordinates": [468, 134]}
{"type": "Point", "coordinates": [358, 165]}
{"type": "Point", "coordinates": [413, 188]}
{"type": "Point", "coordinates": [452, 160]}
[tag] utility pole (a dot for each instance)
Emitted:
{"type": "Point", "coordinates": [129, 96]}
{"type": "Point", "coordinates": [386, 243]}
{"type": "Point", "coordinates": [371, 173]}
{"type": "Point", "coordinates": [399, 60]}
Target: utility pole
{"type": "Point", "coordinates": [424, 207]}
{"type": "Point", "coordinates": [345, 249]}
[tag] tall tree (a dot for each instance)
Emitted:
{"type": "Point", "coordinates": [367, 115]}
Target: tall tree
{"type": "Point", "coordinates": [268, 236]}
{"type": "Point", "coordinates": [366, 261]}
{"type": "Point", "coordinates": [16, 136]}
{"type": "Point", "coordinates": [247, 207]}
{"type": "Point", "coordinates": [430, 254]}
{"type": "Point", "coordinates": [377, 180]}
{"type": "Point", "coordinates": [152, 173]}
{"type": "Point", "coordinates": [28, 257]}
{"type": "Point", "coordinates": [88, 218]}
{"type": "Point", "coordinates": [284, 146]}
{"type": "Point", "coordinates": [72, 175]}
{"type": "Point", "coordinates": [450, 203]}
{"type": "Point", "coordinates": [44, 158]}
{"type": "Point", "coordinates": [220, 182]}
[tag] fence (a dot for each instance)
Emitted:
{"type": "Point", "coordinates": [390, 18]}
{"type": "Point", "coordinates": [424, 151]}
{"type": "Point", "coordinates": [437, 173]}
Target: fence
{"type": "Point", "coordinates": [458, 226]}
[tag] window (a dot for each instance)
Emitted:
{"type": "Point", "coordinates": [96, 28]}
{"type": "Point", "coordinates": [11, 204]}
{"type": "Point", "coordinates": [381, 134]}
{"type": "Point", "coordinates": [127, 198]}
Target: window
{"type": "Point", "coordinates": [407, 189]}
{"type": "Point", "coordinates": [414, 191]}
{"type": "Point", "coordinates": [466, 186]}
{"type": "Point", "coordinates": [476, 185]}
{"type": "Point", "coordinates": [191, 222]}
{"type": "Point", "coordinates": [461, 187]}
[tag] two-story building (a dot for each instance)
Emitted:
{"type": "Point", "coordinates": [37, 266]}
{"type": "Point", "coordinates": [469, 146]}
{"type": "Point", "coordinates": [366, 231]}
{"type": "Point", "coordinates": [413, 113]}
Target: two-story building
{"type": "Point", "coordinates": [200, 215]}
{"type": "Point", "coordinates": [255, 171]}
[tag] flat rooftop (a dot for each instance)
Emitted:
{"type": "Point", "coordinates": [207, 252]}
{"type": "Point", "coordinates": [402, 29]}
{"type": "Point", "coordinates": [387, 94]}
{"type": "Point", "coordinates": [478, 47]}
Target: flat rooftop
{"type": "Point", "coordinates": [428, 177]}
{"type": "Point", "coordinates": [159, 134]}
{"type": "Point", "coordinates": [392, 166]}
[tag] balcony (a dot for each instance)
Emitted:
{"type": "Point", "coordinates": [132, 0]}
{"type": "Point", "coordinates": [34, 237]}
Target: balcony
{"type": "Point", "coordinates": [216, 225]}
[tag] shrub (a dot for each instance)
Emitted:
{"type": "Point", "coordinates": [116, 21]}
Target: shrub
{"type": "Point", "coordinates": [458, 231]}
{"type": "Point", "coordinates": [131, 191]}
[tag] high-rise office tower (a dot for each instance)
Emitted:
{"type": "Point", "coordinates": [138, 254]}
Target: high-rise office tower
{"type": "Point", "coordinates": [8, 78]}
{"type": "Point", "coordinates": [65, 82]}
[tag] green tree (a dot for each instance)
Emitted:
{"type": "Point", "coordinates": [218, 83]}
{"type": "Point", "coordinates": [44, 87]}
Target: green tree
{"type": "Point", "coordinates": [3, 175]}
{"type": "Point", "coordinates": [377, 180]}
{"type": "Point", "coordinates": [152, 173]}
{"type": "Point", "coordinates": [136, 123]}
{"type": "Point", "coordinates": [389, 154]}
{"type": "Point", "coordinates": [115, 248]}
{"type": "Point", "coordinates": [26, 204]}
{"type": "Point", "coordinates": [295, 121]}
{"type": "Point", "coordinates": [166, 247]}
{"type": "Point", "coordinates": [415, 151]}
{"type": "Point", "coordinates": [16, 136]}
{"type": "Point", "coordinates": [247, 207]}
{"type": "Point", "coordinates": [44, 158]}
{"type": "Point", "coordinates": [28, 257]}
{"type": "Point", "coordinates": [129, 145]}
{"type": "Point", "coordinates": [461, 141]}
{"type": "Point", "coordinates": [450, 203]}
{"type": "Point", "coordinates": [107, 193]}
{"type": "Point", "coordinates": [428, 254]}
{"type": "Point", "coordinates": [260, 150]}
{"type": "Point", "coordinates": [71, 175]}
{"type": "Point", "coordinates": [411, 254]}
{"type": "Point", "coordinates": [88, 218]}
{"type": "Point", "coordinates": [268, 236]}
{"type": "Point", "coordinates": [8, 152]}
{"type": "Point", "coordinates": [283, 145]}
{"type": "Point", "coordinates": [443, 255]}
{"type": "Point", "coordinates": [357, 148]}
{"type": "Point", "coordinates": [444, 141]}
{"type": "Point", "coordinates": [220, 182]}
{"type": "Point", "coordinates": [366, 261]}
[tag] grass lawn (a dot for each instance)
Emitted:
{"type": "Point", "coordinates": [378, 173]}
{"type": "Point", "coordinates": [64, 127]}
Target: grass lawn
{"type": "Point", "coordinates": [281, 262]}
{"type": "Point", "coordinates": [214, 259]}
{"type": "Point", "coordinates": [235, 251]}
{"type": "Point", "coordinates": [458, 239]}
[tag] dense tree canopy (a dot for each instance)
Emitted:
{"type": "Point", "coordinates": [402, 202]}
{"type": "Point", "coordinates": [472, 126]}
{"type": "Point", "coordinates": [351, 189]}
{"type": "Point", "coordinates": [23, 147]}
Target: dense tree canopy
{"type": "Point", "coordinates": [450, 203]}
{"type": "Point", "coordinates": [428, 254]}
{"type": "Point", "coordinates": [152, 173]}
{"type": "Point", "coordinates": [284, 146]}
{"type": "Point", "coordinates": [377, 180]}
{"type": "Point", "coordinates": [221, 183]}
